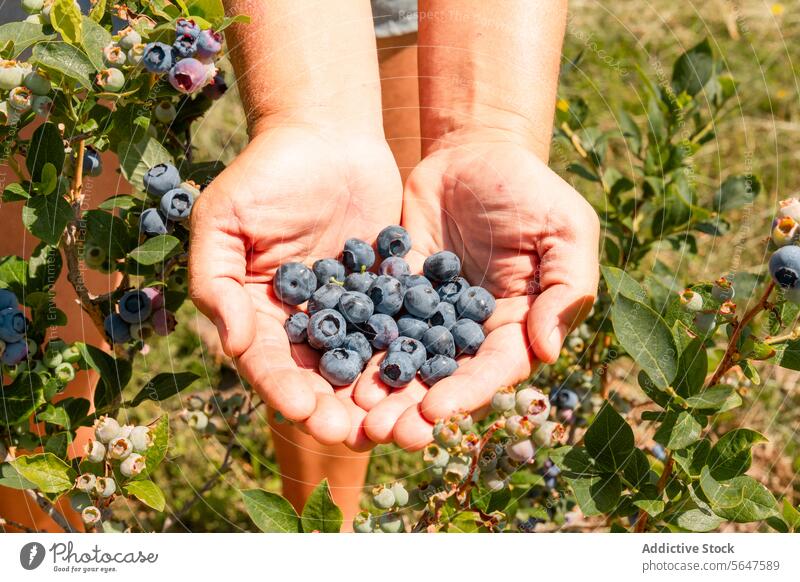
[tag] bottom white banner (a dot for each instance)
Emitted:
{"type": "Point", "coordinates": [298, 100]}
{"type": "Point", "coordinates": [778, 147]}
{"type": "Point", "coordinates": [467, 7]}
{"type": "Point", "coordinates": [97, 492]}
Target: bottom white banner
{"type": "Point", "coordinates": [200, 557]}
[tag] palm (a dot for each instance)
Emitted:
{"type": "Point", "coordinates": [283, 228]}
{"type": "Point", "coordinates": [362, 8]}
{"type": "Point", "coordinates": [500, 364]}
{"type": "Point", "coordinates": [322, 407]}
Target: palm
{"type": "Point", "coordinates": [292, 195]}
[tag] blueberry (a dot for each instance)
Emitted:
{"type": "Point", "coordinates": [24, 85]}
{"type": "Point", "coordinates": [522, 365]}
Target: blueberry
{"type": "Point", "coordinates": [185, 45]}
{"type": "Point", "coordinates": [436, 368]}
{"type": "Point", "coordinates": [187, 26]}
{"type": "Point", "coordinates": [439, 340]}
{"type": "Point", "coordinates": [476, 303]}
{"type": "Point", "coordinates": [176, 205]}
{"type": "Point", "coordinates": [784, 266]}
{"type": "Point", "coordinates": [356, 307]}
{"type": "Point", "coordinates": [13, 325]}
{"type": "Point", "coordinates": [135, 306]}
{"type": "Point", "coordinates": [110, 80]}
{"type": "Point", "coordinates": [444, 315]}
{"type": "Point", "coordinates": [326, 297]}
{"type": "Point", "coordinates": [360, 281]}
{"type": "Point", "coordinates": [326, 329]}
{"type": "Point", "coordinates": [395, 267]}
{"type": "Point", "coordinates": [412, 347]}
{"type": "Point", "coordinates": [659, 452]}
{"type": "Point", "coordinates": [209, 43]}
{"type": "Point", "coordinates": [8, 299]}
{"type": "Point", "coordinates": [398, 369]}
{"type": "Point", "coordinates": [391, 522]}
{"type": "Point", "coordinates": [357, 255]}
{"type": "Point", "coordinates": [117, 330]}
{"type": "Point", "coordinates": [707, 322]}
{"type": "Point", "coordinates": [421, 301]}
{"type": "Point", "coordinates": [160, 179]}
{"type": "Point", "coordinates": [92, 164]}
{"type": "Point", "coordinates": [467, 335]}
{"type": "Point", "coordinates": [151, 223]}
{"type": "Point", "coordinates": [340, 366]}
{"type": "Point", "coordinates": [294, 283]}
{"type": "Point", "coordinates": [296, 326]}
{"type": "Point", "coordinates": [442, 266]}
{"type": "Point", "coordinates": [393, 241]}
{"type": "Point", "coordinates": [520, 451]}
{"type": "Point", "coordinates": [357, 342]}
{"type": "Point", "coordinates": [363, 522]}
{"type": "Point", "coordinates": [413, 327]}
{"type": "Point", "coordinates": [451, 290]}
{"type": "Point", "coordinates": [381, 330]}
{"type": "Point", "coordinates": [157, 57]}
{"type": "Point", "coordinates": [564, 399]}
{"type": "Point", "coordinates": [216, 88]}
{"type": "Point", "coordinates": [387, 295]}
{"type": "Point", "coordinates": [415, 280]}
{"type": "Point", "coordinates": [188, 75]}
{"type": "Point", "coordinates": [328, 271]}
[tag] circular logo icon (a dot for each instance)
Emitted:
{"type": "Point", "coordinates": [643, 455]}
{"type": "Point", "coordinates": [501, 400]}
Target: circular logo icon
{"type": "Point", "coordinates": [31, 555]}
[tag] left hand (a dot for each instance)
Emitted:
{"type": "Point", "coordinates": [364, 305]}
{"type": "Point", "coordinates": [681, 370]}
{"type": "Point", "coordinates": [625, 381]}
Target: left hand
{"type": "Point", "coordinates": [525, 235]}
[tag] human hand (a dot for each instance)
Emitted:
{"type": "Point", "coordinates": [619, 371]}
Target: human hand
{"type": "Point", "coordinates": [294, 194]}
{"type": "Point", "coordinates": [522, 233]}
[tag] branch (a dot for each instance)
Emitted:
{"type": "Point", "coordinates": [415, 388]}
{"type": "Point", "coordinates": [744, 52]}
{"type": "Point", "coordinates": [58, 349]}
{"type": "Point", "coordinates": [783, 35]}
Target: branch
{"type": "Point", "coordinates": [15, 524]}
{"type": "Point", "coordinates": [50, 510]}
{"type": "Point", "coordinates": [641, 522]}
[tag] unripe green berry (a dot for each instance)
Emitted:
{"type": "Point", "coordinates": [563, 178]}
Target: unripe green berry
{"type": "Point", "coordinates": [106, 429]}
{"type": "Point", "coordinates": [38, 82]}
{"type": "Point", "coordinates": [165, 112]}
{"type": "Point", "coordinates": [503, 400]}
{"type": "Point", "coordinates": [493, 481]}
{"type": "Point", "coordinates": [71, 354]}
{"type": "Point", "coordinates": [383, 497]}
{"type": "Point", "coordinates": [435, 456]}
{"type": "Point", "coordinates": [11, 75]}
{"type": "Point", "coordinates": [32, 6]}
{"type": "Point", "coordinates": [197, 420]}
{"type": "Point", "coordinates": [132, 465]}
{"type": "Point", "coordinates": [549, 434]}
{"type": "Point", "coordinates": [65, 372]}
{"type": "Point", "coordinates": [141, 438]}
{"type": "Point", "coordinates": [105, 486]}
{"type": "Point", "coordinates": [94, 255]}
{"type": "Point", "coordinates": [532, 403]}
{"type": "Point", "coordinates": [447, 434]}
{"type": "Point", "coordinates": [400, 494]}
{"type": "Point", "coordinates": [110, 80]}
{"type": "Point", "coordinates": [363, 522]}
{"type": "Point", "coordinates": [119, 448]}
{"type": "Point", "coordinates": [456, 470]}
{"type": "Point", "coordinates": [86, 482]}
{"type": "Point", "coordinates": [390, 522]}
{"type": "Point", "coordinates": [196, 403]}
{"type": "Point", "coordinates": [95, 451]}
{"type": "Point", "coordinates": [90, 515]}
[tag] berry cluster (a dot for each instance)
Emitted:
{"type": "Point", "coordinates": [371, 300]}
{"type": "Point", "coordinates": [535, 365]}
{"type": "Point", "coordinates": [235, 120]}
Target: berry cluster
{"type": "Point", "coordinates": [709, 309]}
{"type": "Point", "coordinates": [13, 328]}
{"type": "Point", "coordinates": [140, 313]}
{"type": "Point", "coordinates": [200, 413]}
{"type": "Point", "coordinates": [175, 199]}
{"type": "Point", "coordinates": [784, 264]}
{"type": "Point", "coordinates": [23, 91]}
{"type": "Point", "coordinates": [189, 61]}
{"type": "Point", "coordinates": [120, 450]}
{"type": "Point", "coordinates": [423, 321]}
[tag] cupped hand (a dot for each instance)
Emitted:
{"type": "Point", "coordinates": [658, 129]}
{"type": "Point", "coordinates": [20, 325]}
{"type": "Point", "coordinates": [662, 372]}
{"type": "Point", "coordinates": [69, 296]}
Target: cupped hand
{"type": "Point", "coordinates": [294, 194]}
{"type": "Point", "coordinates": [522, 233]}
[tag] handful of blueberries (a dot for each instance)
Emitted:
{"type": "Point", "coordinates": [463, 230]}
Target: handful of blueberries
{"type": "Point", "coordinates": [422, 321]}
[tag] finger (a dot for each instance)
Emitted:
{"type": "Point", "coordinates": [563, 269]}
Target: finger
{"type": "Point", "coordinates": [369, 389]}
{"type": "Point", "coordinates": [502, 360]}
{"type": "Point", "coordinates": [379, 422]}
{"type": "Point", "coordinates": [569, 278]}
{"type": "Point", "coordinates": [217, 268]}
{"type": "Point", "coordinates": [411, 431]}
{"type": "Point", "coordinates": [357, 439]}
{"type": "Point", "coordinates": [330, 421]}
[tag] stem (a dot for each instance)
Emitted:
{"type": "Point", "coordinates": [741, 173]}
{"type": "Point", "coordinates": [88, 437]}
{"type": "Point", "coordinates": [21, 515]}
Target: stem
{"type": "Point", "coordinates": [641, 522]}
{"type": "Point", "coordinates": [22, 527]}
{"type": "Point", "coordinates": [50, 510]}
{"type": "Point", "coordinates": [726, 363]}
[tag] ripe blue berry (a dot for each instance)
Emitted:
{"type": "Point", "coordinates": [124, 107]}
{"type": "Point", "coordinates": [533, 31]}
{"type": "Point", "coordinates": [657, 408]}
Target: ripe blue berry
{"type": "Point", "coordinates": [415, 280]}
{"type": "Point", "coordinates": [13, 325]}
{"type": "Point", "coordinates": [436, 368]}
{"type": "Point", "coordinates": [187, 26]}
{"type": "Point", "coordinates": [296, 326]}
{"type": "Point", "coordinates": [117, 329]}
{"type": "Point", "coordinates": [386, 294]}
{"type": "Point", "coordinates": [160, 179]}
{"type": "Point", "coordinates": [151, 223]}
{"type": "Point", "coordinates": [92, 164]}
{"type": "Point", "coordinates": [340, 366]}
{"type": "Point", "coordinates": [356, 307]}
{"type": "Point", "coordinates": [659, 452]}
{"type": "Point", "coordinates": [14, 353]}
{"type": "Point", "coordinates": [412, 347]}
{"type": "Point", "coordinates": [410, 326]}
{"type": "Point", "coordinates": [294, 283]}
{"type": "Point", "coordinates": [326, 297]}
{"type": "Point", "coordinates": [216, 88]}
{"type": "Point", "coordinates": [444, 315]}
{"type": "Point", "coordinates": [360, 282]}
{"type": "Point", "coordinates": [442, 266]}
{"type": "Point", "coordinates": [328, 271]}
{"type": "Point", "coordinates": [395, 267]}
{"type": "Point", "coordinates": [393, 241]}
{"type": "Point", "coordinates": [176, 205]}
{"type": "Point", "coordinates": [188, 75]}
{"type": "Point", "coordinates": [380, 330]}
{"type": "Point", "coordinates": [564, 399]}
{"type": "Point", "coordinates": [8, 299]}
{"type": "Point", "coordinates": [468, 335]}
{"type": "Point", "coordinates": [358, 343]}
{"type": "Point", "coordinates": [326, 329]}
{"type": "Point", "coordinates": [439, 340]}
{"type": "Point", "coordinates": [209, 43]}
{"type": "Point", "coordinates": [476, 303]}
{"type": "Point", "coordinates": [421, 301]}
{"type": "Point", "coordinates": [185, 45]}
{"type": "Point", "coordinates": [157, 57]}
{"type": "Point", "coordinates": [451, 290]}
{"type": "Point", "coordinates": [784, 266]}
{"type": "Point", "coordinates": [357, 255]}
{"type": "Point", "coordinates": [397, 369]}
{"type": "Point", "coordinates": [135, 306]}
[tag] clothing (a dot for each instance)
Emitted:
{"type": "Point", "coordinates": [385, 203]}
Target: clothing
{"type": "Point", "coordinates": [394, 17]}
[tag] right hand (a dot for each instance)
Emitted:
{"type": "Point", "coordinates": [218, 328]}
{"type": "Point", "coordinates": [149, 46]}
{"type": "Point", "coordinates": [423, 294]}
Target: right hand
{"type": "Point", "coordinates": [294, 194]}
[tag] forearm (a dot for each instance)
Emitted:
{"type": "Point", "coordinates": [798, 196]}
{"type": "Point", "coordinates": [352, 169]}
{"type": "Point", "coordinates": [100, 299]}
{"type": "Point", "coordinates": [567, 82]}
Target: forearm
{"type": "Point", "coordinates": [489, 65]}
{"type": "Point", "coordinates": [306, 61]}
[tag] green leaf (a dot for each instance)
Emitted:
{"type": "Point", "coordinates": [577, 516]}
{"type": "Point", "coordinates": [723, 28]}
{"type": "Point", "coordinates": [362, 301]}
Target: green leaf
{"type": "Point", "coordinates": [95, 39]}
{"type": "Point", "coordinates": [66, 60]}
{"type": "Point", "coordinates": [46, 217]}
{"type": "Point", "coordinates": [15, 192]}
{"type": "Point", "coordinates": [788, 355]}
{"type": "Point", "coordinates": [137, 157]}
{"type": "Point", "coordinates": [65, 16]}
{"type": "Point", "coordinates": [697, 520]}
{"type": "Point", "coordinates": [791, 515]}
{"type": "Point", "coordinates": [320, 512]}
{"type": "Point", "coordinates": [692, 459]}
{"type": "Point", "coordinates": [652, 507]}
{"type": "Point", "coordinates": [58, 443]}
{"type": "Point", "coordinates": [98, 11]}
{"type": "Point", "coordinates": [620, 283]}
{"type": "Point", "coordinates": [109, 232]}
{"type": "Point", "coordinates": [731, 455]}
{"type": "Point", "coordinates": [114, 374]}
{"type": "Point", "coordinates": [163, 386]}
{"type": "Point", "coordinates": [147, 492]}
{"type": "Point", "coordinates": [637, 470]}
{"type": "Point", "coordinates": [49, 179]}
{"type": "Point", "coordinates": [46, 147]}
{"type": "Point", "coordinates": [736, 192]}
{"type": "Point", "coordinates": [230, 20]}
{"type": "Point", "coordinates": [270, 512]}
{"type": "Point", "coordinates": [692, 368]}
{"type": "Point", "coordinates": [210, 10]}
{"type": "Point", "coordinates": [44, 267]}
{"type": "Point", "coordinates": [647, 338]}
{"type": "Point", "coordinates": [583, 172]}
{"type": "Point", "coordinates": [717, 399]}
{"type": "Point", "coordinates": [121, 201]}
{"type": "Point", "coordinates": [54, 415]}
{"type": "Point", "coordinates": [46, 471]}
{"type": "Point", "coordinates": [609, 439]}
{"type": "Point", "coordinates": [156, 250]}
{"type": "Point", "coordinates": [573, 461]}
{"type": "Point", "coordinates": [465, 522]}
{"type": "Point", "coordinates": [630, 131]}
{"type": "Point", "coordinates": [156, 453]}
{"type": "Point", "coordinates": [678, 431]}
{"type": "Point", "coordinates": [693, 69]}
{"type": "Point", "coordinates": [596, 495]}
{"type": "Point", "coordinates": [19, 399]}
{"type": "Point", "coordinates": [741, 499]}
{"type": "Point", "coordinates": [9, 477]}
{"type": "Point", "coordinates": [12, 274]}
{"type": "Point", "coordinates": [23, 35]}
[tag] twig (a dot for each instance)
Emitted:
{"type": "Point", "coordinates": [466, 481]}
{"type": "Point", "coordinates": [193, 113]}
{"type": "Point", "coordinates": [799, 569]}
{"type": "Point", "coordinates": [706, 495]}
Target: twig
{"type": "Point", "coordinates": [641, 521]}
{"type": "Point", "coordinates": [22, 527]}
{"type": "Point", "coordinates": [50, 510]}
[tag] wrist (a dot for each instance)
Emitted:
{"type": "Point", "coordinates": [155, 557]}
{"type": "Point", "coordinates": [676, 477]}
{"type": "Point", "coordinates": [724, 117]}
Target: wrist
{"type": "Point", "coordinates": [324, 118]}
